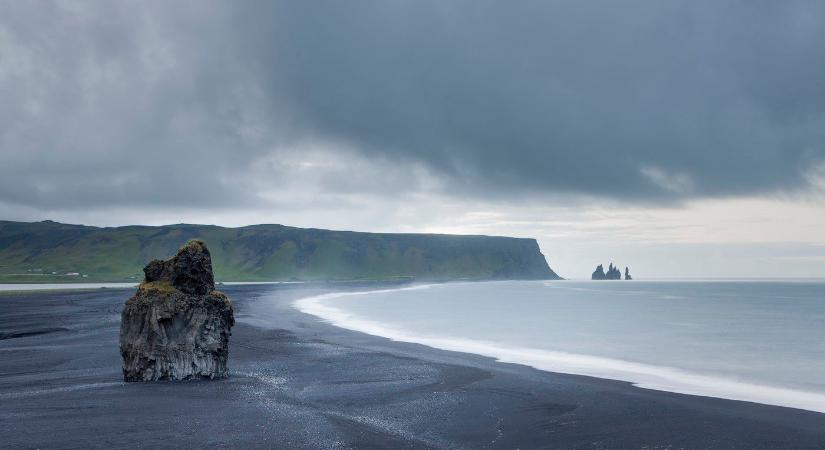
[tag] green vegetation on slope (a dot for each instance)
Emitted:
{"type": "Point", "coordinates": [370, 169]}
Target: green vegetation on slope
{"type": "Point", "coordinates": [32, 252]}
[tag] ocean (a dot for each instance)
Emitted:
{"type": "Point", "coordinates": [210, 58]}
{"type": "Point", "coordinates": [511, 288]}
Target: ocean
{"type": "Point", "coordinates": [61, 286]}
{"type": "Point", "coordinates": [68, 286]}
{"type": "Point", "coordinates": [759, 341]}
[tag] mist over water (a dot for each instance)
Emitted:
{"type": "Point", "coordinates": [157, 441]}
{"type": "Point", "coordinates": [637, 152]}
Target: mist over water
{"type": "Point", "coordinates": [761, 341]}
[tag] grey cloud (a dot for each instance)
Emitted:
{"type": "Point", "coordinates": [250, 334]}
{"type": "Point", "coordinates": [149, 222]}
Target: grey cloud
{"type": "Point", "coordinates": [128, 102]}
{"type": "Point", "coordinates": [567, 96]}
{"type": "Point", "coordinates": [109, 104]}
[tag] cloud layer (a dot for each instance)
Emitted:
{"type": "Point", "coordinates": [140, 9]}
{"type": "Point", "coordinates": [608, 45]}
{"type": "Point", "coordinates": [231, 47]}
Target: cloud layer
{"type": "Point", "coordinates": [229, 104]}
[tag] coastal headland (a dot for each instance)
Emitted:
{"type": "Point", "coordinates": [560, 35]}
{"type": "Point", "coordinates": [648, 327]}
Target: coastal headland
{"type": "Point", "coordinates": [52, 252]}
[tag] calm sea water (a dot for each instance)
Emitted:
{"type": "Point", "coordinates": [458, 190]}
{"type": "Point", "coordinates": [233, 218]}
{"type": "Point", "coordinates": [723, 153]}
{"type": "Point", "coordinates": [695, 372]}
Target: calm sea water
{"type": "Point", "coordinates": [761, 341]}
{"type": "Point", "coordinates": [68, 286]}
{"type": "Point", "coordinates": [61, 286]}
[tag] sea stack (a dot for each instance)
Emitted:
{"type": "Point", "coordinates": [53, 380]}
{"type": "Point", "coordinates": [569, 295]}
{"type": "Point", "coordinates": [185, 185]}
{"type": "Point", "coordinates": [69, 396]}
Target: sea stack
{"type": "Point", "coordinates": [627, 274]}
{"type": "Point", "coordinates": [598, 274]}
{"type": "Point", "coordinates": [613, 273]}
{"type": "Point", "coordinates": [177, 326]}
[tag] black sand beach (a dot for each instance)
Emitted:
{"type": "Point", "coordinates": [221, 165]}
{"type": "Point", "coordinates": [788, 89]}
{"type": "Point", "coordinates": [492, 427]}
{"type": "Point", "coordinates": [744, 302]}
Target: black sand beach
{"type": "Point", "coordinates": [299, 383]}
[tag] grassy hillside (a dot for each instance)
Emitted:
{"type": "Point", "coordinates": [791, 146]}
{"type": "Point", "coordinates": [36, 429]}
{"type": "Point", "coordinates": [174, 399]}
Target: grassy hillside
{"type": "Point", "coordinates": [31, 252]}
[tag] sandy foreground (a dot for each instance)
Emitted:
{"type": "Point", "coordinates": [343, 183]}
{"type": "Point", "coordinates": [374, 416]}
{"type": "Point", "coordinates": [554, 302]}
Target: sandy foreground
{"type": "Point", "coordinates": [300, 383]}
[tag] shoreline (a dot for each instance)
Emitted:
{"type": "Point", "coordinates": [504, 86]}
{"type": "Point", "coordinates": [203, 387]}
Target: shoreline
{"type": "Point", "coordinates": [640, 375]}
{"type": "Point", "coordinates": [298, 382]}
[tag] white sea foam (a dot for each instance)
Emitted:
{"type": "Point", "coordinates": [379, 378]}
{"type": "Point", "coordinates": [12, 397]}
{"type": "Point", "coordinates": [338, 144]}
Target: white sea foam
{"type": "Point", "coordinates": [642, 375]}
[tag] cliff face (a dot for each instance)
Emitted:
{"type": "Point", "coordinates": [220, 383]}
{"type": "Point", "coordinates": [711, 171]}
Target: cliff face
{"type": "Point", "coordinates": [177, 326]}
{"type": "Point", "coordinates": [262, 253]}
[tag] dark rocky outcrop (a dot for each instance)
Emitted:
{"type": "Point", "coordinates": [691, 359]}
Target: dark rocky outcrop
{"type": "Point", "coordinates": [177, 326]}
{"type": "Point", "coordinates": [627, 274]}
{"type": "Point", "coordinates": [190, 271]}
{"type": "Point", "coordinates": [598, 274]}
{"type": "Point", "coordinates": [613, 273]}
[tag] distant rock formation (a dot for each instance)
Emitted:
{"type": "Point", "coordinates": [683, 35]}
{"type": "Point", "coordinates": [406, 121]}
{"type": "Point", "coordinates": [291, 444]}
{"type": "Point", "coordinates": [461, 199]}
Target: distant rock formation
{"type": "Point", "coordinates": [627, 274]}
{"type": "Point", "coordinates": [177, 326]}
{"type": "Point", "coordinates": [613, 273]}
{"type": "Point", "coordinates": [598, 274]}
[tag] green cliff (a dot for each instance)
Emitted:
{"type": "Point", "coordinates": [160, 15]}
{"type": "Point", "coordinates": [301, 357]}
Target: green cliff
{"type": "Point", "coordinates": [55, 252]}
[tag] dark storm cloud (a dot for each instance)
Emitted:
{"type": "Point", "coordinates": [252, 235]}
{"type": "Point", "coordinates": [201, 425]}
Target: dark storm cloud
{"type": "Point", "coordinates": [618, 98]}
{"type": "Point", "coordinates": [134, 102]}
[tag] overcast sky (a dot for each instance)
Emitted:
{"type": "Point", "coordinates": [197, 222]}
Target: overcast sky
{"type": "Point", "coordinates": [680, 138]}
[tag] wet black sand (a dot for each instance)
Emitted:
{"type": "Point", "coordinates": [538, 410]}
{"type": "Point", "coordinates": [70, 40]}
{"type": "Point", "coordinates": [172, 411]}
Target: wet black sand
{"type": "Point", "coordinates": [299, 383]}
